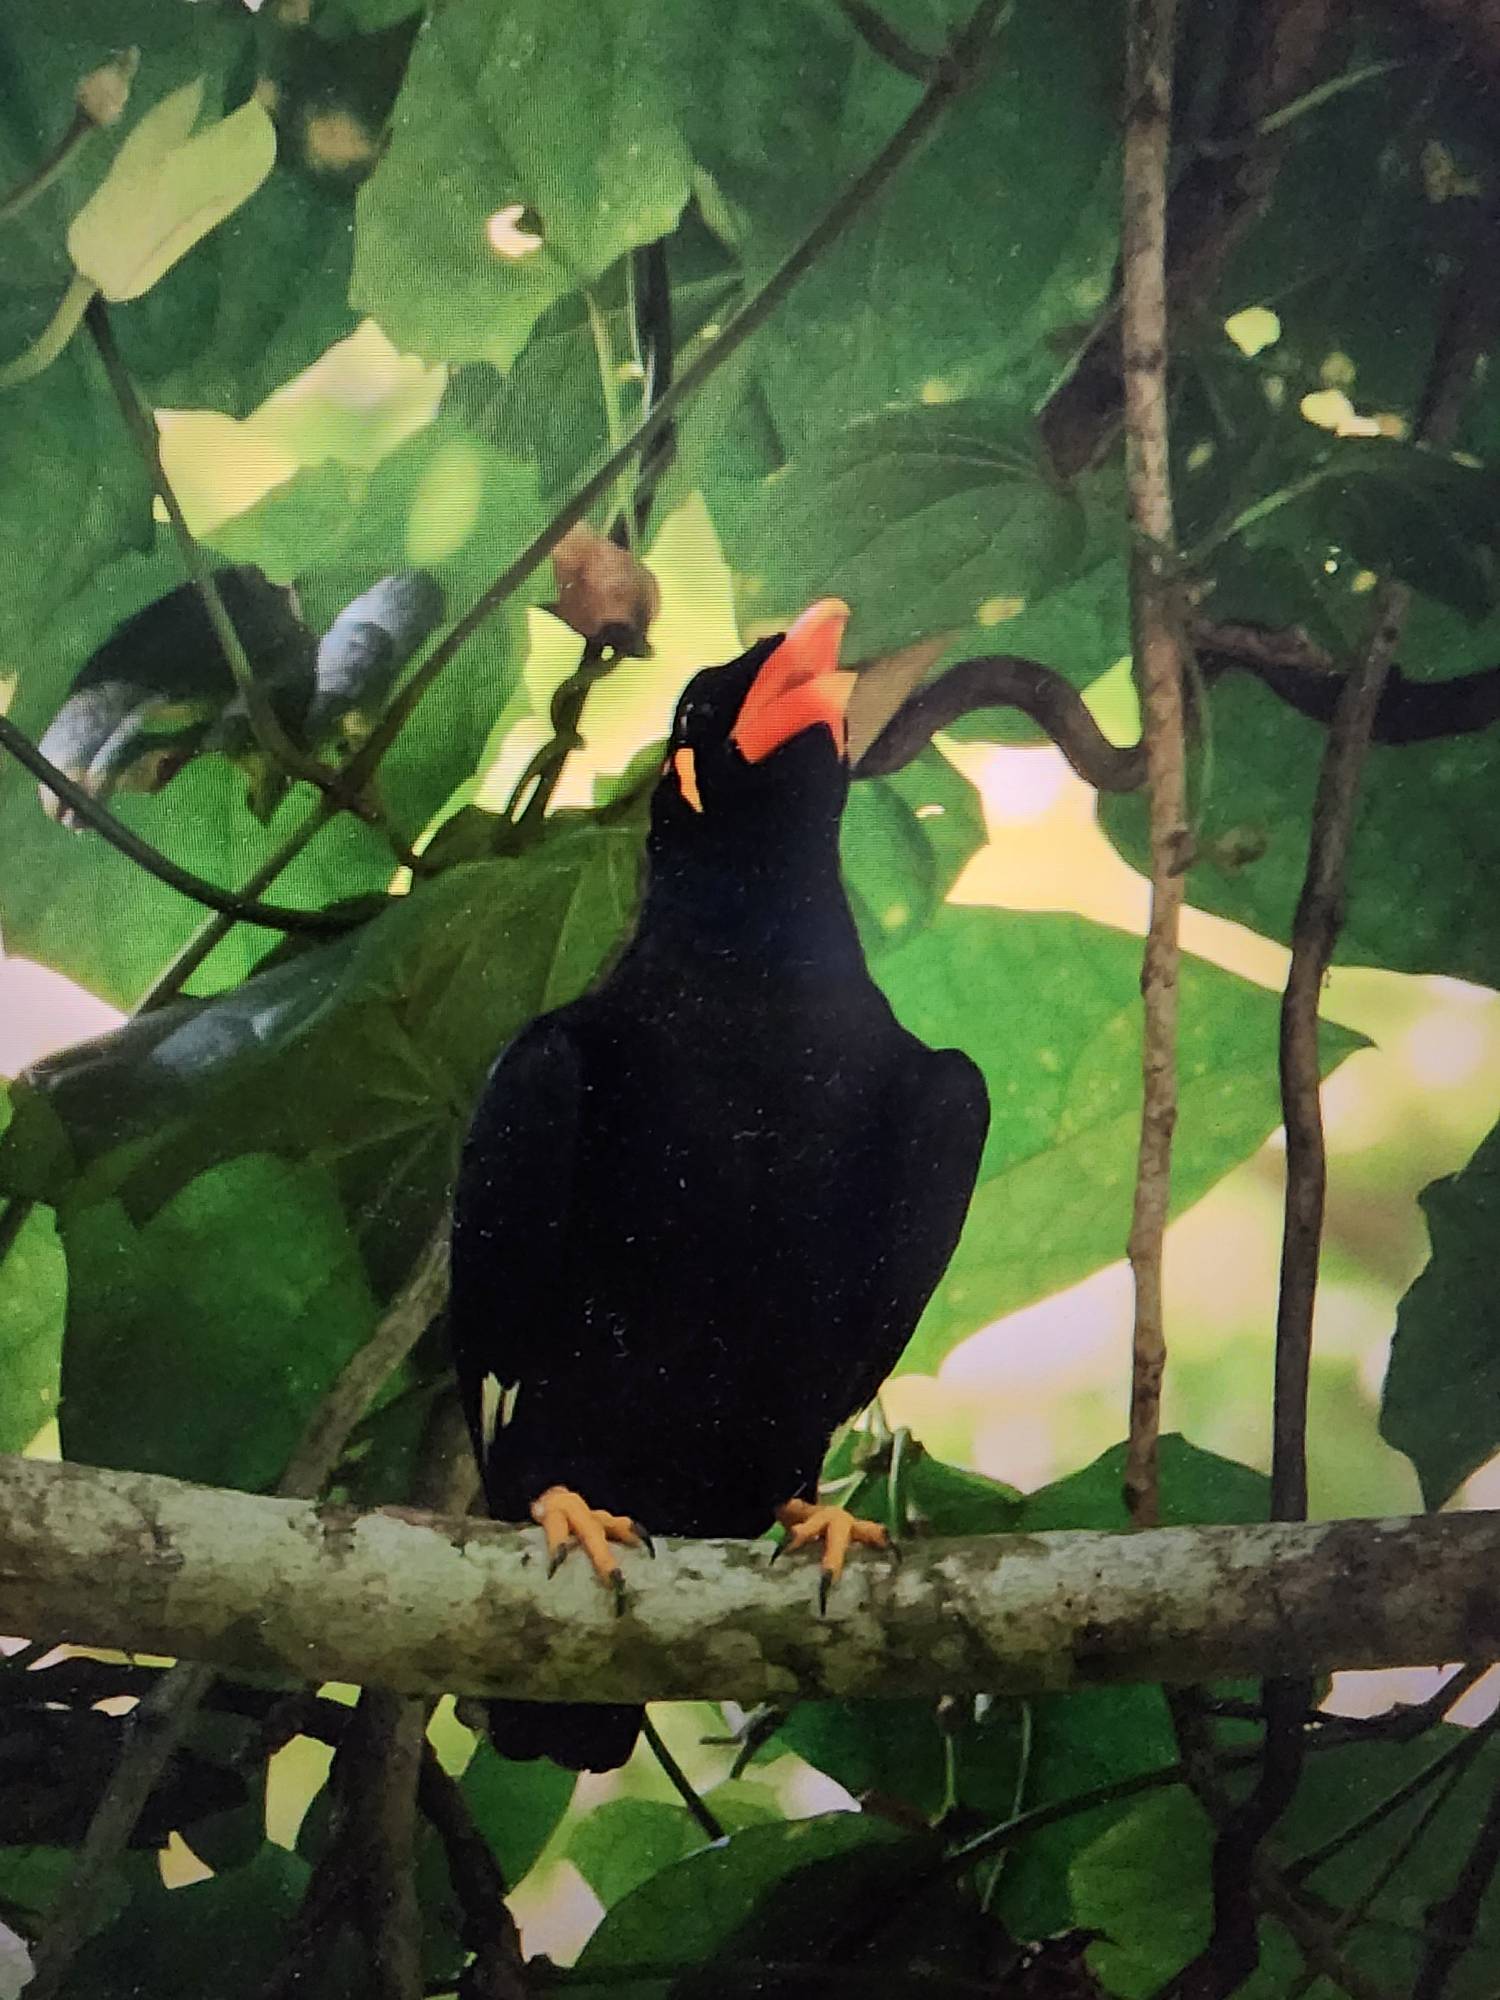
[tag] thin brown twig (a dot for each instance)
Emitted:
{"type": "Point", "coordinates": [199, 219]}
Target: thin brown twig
{"type": "Point", "coordinates": [162, 1718]}
{"type": "Point", "coordinates": [1160, 648]}
{"type": "Point", "coordinates": [1315, 930]}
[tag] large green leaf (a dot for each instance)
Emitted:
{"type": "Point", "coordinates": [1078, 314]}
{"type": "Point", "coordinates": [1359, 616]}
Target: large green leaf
{"type": "Point", "coordinates": [784, 1885]}
{"type": "Point", "coordinates": [244, 1292]}
{"type": "Point", "coordinates": [550, 108]}
{"type": "Point", "coordinates": [1441, 1403]}
{"type": "Point", "coordinates": [1049, 1007]}
{"type": "Point", "coordinates": [623, 1842]}
{"type": "Point", "coordinates": [224, 1936]}
{"type": "Point", "coordinates": [904, 841]}
{"type": "Point", "coordinates": [1144, 1884]}
{"type": "Point", "coordinates": [1341, 1786]}
{"type": "Point", "coordinates": [515, 1805]}
{"type": "Point", "coordinates": [322, 1103]}
{"type": "Point", "coordinates": [917, 517]}
{"type": "Point", "coordinates": [950, 282]}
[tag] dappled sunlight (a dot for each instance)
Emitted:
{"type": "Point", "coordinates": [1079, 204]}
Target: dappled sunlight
{"type": "Point", "coordinates": [356, 403]}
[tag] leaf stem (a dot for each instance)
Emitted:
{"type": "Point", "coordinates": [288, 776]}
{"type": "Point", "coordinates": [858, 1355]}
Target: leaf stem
{"type": "Point", "coordinates": [25, 192]}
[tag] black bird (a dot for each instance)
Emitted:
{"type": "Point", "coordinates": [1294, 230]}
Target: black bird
{"type": "Point", "coordinates": [700, 1210]}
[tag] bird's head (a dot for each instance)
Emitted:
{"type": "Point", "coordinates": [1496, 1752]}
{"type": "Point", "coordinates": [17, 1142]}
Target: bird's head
{"type": "Point", "coordinates": [758, 753]}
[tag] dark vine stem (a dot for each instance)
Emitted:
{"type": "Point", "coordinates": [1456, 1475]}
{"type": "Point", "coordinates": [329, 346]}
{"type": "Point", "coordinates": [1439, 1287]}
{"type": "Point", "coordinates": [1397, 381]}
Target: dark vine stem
{"type": "Point", "coordinates": [679, 1780]}
{"type": "Point", "coordinates": [948, 81]}
{"type": "Point", "coordinates": [238, 907]}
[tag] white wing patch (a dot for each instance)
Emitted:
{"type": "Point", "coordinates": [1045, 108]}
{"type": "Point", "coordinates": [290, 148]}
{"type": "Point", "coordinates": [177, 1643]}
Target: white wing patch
{"type": "Point", "coordinates": [497, 1405]}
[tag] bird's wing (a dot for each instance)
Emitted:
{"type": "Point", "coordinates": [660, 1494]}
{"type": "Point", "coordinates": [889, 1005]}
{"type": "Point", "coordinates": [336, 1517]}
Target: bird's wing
{"type": "Point", "coordinates": [511, 1213]}
{"type": "Point", "coordinates": [935, 1119]}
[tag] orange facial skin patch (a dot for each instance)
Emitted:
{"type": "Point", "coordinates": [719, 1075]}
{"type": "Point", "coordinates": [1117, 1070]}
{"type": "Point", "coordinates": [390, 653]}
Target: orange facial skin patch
{"type": "Point", "coordinates": [685, 765]}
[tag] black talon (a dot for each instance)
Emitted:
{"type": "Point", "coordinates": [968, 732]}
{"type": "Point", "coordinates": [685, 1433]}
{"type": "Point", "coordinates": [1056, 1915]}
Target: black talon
{"type": "Point", "coordinates": [557, 1561]}
{"type": "Point", "coordinates": [617, 1583]}
{"type": "Point", "coordinates": [825, 1585]}
{"type": "Point", "coordinates": [779, 1550]}
{"type": "Point", "coordinates": [643, 1537]}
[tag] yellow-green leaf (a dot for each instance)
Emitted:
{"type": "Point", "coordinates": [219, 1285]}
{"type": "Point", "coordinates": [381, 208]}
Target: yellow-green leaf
{"type": "Point", "coordinates": [168, 187]}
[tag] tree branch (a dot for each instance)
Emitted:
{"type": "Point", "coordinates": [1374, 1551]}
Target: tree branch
{"type": "Point", "coordinates": [238, 908]}
{"type": "Point", "coordinates": [420, 1604]}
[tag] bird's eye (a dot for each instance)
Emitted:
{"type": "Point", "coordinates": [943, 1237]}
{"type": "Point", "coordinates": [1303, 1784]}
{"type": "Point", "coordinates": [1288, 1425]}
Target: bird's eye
{"type": "Point", "coordinates": [686, 766]}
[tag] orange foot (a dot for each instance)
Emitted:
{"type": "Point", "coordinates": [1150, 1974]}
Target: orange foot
{"type": "Point", "coordinates": [566, 1517]}
{"type": "Point", "coordinates": [837, 1529]}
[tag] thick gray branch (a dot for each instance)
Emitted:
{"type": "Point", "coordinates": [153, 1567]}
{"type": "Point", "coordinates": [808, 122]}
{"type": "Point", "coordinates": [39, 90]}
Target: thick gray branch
{"type": "Point", "coordinates": [420, 1604]}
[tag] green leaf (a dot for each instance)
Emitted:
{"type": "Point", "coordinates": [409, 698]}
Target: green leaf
{"type": "Point", "coordinates": [226, 1935]}
{"type": "Point", "coordinates": [516, 1806]}
{"type": "Point", "coordinates": [624, 1842]}
{"type": "Point", "coordinates": [1049, 1007]}
{"type": "Point", "coordinates": [1196, 1486]}
{"type": "Point", "coordinates": [168, 187]}
{"type": "Point", "coordinates": [1145, 1884]}
{"type": "Point", "coordinates": [789, 1883]}
{"type": "Point", "coordinates": [950, 284]}
{"type": "Point", "coordinates": [1441, 1402]}
{"type": "Point", "coordinates": [1423, 835]}
{"type": "Point", "coordinates": [903, 844]}
{"type": "Point", "coordinates": [917, 517]}
{"type": "Point", "coordinates": [33, 1298]}
{"type": "Point", "coordinates": [552, 109]}
{"type": "Point", "coordinates": [1342, 1785]}
{"type": "Point", "coordinates": [322, 1103]}
{"type": "Point", "coordinates": [223, 328]}
{"type": "Point", "coordinates": [244, 1292]}
{"type": "Point", "coordinates": [1097, 1736]}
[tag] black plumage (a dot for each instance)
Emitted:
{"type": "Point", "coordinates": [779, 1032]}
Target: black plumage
{"type": "Point", "coordinates": [700, 1209]}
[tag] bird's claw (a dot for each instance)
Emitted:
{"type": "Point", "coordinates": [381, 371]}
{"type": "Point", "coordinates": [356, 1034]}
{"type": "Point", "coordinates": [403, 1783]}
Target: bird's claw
{"type": "Point", "coordinates": [566, 1518]}
{"type": "Point", "coordinates": [837, 1529]}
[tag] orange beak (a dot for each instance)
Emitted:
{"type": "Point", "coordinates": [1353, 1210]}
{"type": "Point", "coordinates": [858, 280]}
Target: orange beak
{"type": "Point", "coordinates": [798, 686]}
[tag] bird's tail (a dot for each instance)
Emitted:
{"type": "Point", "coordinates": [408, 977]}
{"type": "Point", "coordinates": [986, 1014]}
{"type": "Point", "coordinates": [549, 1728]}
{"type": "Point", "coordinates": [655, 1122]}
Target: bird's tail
{"type": "Point", "coordinates": [581, 1736]}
